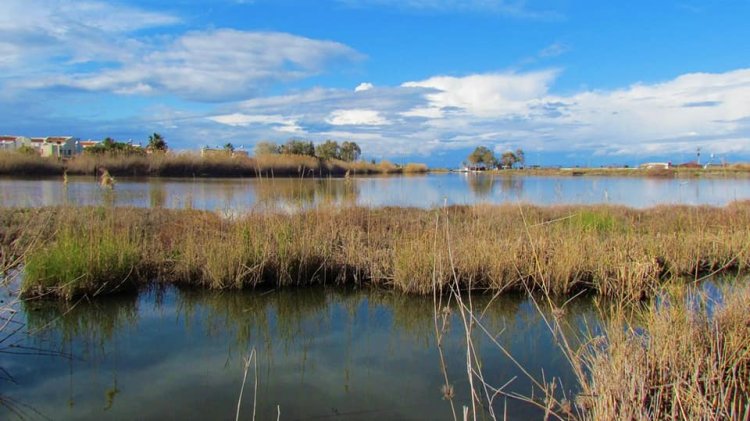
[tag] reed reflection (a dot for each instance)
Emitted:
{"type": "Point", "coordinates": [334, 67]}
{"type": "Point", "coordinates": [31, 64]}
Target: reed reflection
{"type": "Point", "coordinates": [359, 348]}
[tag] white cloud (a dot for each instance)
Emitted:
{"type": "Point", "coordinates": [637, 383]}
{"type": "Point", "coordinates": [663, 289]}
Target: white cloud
{"type": "Point", "coordinates": [517, 110]}
{"type": "Point", "coordinates": [277, 122]}
{"type": "Point", "coordinates": [488, 95]}
{"type": "Point", "coordinates": [365, 86]}
{"type": "Point", "coordinates": [692, 108]}
{"type": "Point", "coordinates": [424, 112]}
{"type": "Point", "coordinates": [357, 117]}
{"type": "Point", "coordinates": [213, 65]}
{"type": "Point", "coordinates": [33, 31]}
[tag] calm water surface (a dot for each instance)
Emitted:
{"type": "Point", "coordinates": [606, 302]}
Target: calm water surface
{"type": "Point", "coordinates": [237, 195]}
{"type": "Point", "coordinates": [322, 354]}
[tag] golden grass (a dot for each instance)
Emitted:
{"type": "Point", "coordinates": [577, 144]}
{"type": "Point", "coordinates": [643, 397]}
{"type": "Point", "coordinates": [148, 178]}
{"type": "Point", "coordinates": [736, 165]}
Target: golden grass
{"type": "Point", "coordinates": [673, 360]}
{"type": "Point", "coordinates": [224, 165]}
{"type": "Point", "coordinates": [15, 163]}
{"type": "Point", "coordinates": [612, 251]}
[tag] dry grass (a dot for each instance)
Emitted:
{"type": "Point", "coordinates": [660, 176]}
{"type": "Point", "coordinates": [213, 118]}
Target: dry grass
{"type": "Point", "coordinates": [14, 163]}
{"type": "Point", "coordinates": [612, 251]}
{"type": "Point", "coordinates": [673, 361]}
{"type": "Point", "coordinates": [220, 165]}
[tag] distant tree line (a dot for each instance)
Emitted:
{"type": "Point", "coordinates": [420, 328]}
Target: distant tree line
{"type": "Point", "coordinates": [483, 156]}
{"type": "Point", "coordinates": [330, 149]}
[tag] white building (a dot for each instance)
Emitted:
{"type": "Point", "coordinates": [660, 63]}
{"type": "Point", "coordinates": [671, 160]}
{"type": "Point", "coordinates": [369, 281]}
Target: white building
{"type": "Point", "coordinates": [12, 143]}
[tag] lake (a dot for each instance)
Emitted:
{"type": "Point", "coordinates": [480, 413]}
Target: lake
{"type": "Point", "coordinates": [322, 354]}
{"type": "Point", "coordinates": [238, 195]}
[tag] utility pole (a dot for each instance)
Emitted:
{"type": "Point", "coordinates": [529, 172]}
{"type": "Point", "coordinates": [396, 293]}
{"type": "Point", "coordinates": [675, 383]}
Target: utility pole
{"type": "Point", "coordinates": [698, 151]}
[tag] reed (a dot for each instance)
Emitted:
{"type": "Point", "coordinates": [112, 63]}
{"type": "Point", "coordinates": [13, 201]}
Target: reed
{"type": "Point", "coordinates": [25, 164]}
{"type": "Point", "coordinates": [680, 357]}
{"type": "Point", "coordinates": [224, 165]}
{"type": "Point", "coordinates": [90, 259]}
{"type": "Point", "coordinates": [611, 251]}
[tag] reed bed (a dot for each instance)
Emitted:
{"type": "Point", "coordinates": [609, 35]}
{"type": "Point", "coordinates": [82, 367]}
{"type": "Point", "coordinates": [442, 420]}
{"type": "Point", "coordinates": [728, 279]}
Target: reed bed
{"type": "Point", "coordinates": [680, 357]}
{"type": "Point", "coordinates": [225, 165]}
{"type": "Point", "coordinates": [611, 251]}
{"type": "Point", "coordinates": [17, 163]}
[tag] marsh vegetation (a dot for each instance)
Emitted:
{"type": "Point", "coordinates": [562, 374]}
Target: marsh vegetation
{"type": "Point", "coordinates": [654, 346]}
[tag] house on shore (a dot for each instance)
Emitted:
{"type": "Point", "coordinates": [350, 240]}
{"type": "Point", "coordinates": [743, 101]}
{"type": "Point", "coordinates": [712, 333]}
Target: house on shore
{"type": "Point", "coordinates": [12, 143]}
{"type": "Point", "coordinates": [61, 147]}
{"type": "Point", "coordinates": [656, 166]}
{"type": "Point", "coordinates": [208, 151]}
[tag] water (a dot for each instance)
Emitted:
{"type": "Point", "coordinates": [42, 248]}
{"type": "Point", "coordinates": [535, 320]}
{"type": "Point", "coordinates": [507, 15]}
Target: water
{"type": "Point", "coordinates": [237, 195]}
{"type": "Point", "coordinates": [322, 354]}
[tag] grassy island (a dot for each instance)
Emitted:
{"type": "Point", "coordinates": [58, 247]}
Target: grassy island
{"type": "Point", "coordinates": [611, 251]}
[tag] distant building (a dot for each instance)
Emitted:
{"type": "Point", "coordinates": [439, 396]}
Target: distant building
{"type": "Point", "coordinates": [12, 143]}
{"type": "Point", "coordinates": [85, 144]}
{"type": "Point", "coordinates": [656, 166]}
{"type": "Point", "coordinates": [207, 151]}
{"type": "Point", "coordinates": [61, 147]}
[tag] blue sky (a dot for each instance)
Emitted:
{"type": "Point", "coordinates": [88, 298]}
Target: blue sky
{"type": "Point", "coordinates": [572, 83]}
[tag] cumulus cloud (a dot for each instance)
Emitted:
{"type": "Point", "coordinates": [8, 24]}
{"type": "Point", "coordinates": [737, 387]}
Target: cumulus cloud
{"type": "Point", "coordinates": [486, 95]}
{"type": "Point", "coordinates": [510, 110]}
{"type": "Point", "coordinates": [365, 86]}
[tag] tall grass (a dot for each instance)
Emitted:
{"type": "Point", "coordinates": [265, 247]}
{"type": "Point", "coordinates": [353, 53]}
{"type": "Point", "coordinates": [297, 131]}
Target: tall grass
{"type": "Point", "coordinates": [674, 360]}
{"type": "Point", "coordinates": [91, 259]}
{"type": "Point", "coordinates": [224, 165]}
{"type": "Point", "coordinates": [16, 163]}
{"type": "Point", "coordinates": [682, 354]}
{"type": "Point", "coordinates": [612, 251]}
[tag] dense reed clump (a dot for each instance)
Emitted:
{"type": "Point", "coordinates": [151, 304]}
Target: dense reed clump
{"type": "Point", "coordinates": [613, 251]}
{"type": "Point", "coordinates": [28, 164]}
{"type": "Point", "coordinates": [674, 360]}
{"type": "Point", "coordinates": [227, 165]}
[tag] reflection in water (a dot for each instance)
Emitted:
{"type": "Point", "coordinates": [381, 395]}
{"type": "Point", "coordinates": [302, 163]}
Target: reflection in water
{"type": "Point", "coordinates": [481, 185]}
{"type": "Point", "coordinates": [486, 186]}
{"type": "Point", "coordinates": [157, 194]}
{"type": "Point", "coordinates": [239, 195]}
{"type": "Point", "coordinates": [322, 353]}
{"type": "Point", "coordinates": [305, 193]}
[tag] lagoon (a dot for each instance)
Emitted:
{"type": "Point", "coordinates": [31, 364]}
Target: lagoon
{"type": "Point", "coordinates": [425, 191]}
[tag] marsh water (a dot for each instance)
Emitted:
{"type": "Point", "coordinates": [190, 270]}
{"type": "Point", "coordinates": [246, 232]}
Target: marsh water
{"type": "Point", "coordinates": [238, 195]}
{"type": "Point", "coordinates": [321, 354]}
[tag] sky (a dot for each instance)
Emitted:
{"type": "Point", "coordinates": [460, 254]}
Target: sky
{"type": "Point", "coordinates": [569, 82]}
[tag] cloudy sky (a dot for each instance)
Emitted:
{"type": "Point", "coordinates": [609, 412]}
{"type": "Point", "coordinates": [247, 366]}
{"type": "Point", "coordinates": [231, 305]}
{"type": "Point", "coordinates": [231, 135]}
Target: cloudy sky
{"type": "Point", "coordinates": [570, 82]}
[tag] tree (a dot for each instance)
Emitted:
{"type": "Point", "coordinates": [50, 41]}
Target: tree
{"type": "Point", "coordinates": [266, 148]}
{"type": "Point", "coordinates": [111, 147]}
{"type": "Point", "coordinates": [328, 150]}
{"type": "Point", "coordinates": [508, 159]}
{"type": "Point", "coordinates": [350, 151]}
{"type": "Point", "coordinates": [298, 147]}
{"type": "Point", "coordinates": [482, 156]}
{"type": "Point", "coordinates": [520, 157]}
{"type": "Point", "coordinates": [156, 143]}
{"type": "Point", "coordinates": [229, 148]}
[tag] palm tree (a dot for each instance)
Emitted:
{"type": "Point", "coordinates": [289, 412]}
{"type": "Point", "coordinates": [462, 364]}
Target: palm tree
{"type": "Point", "coordinates": [156, 143]}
